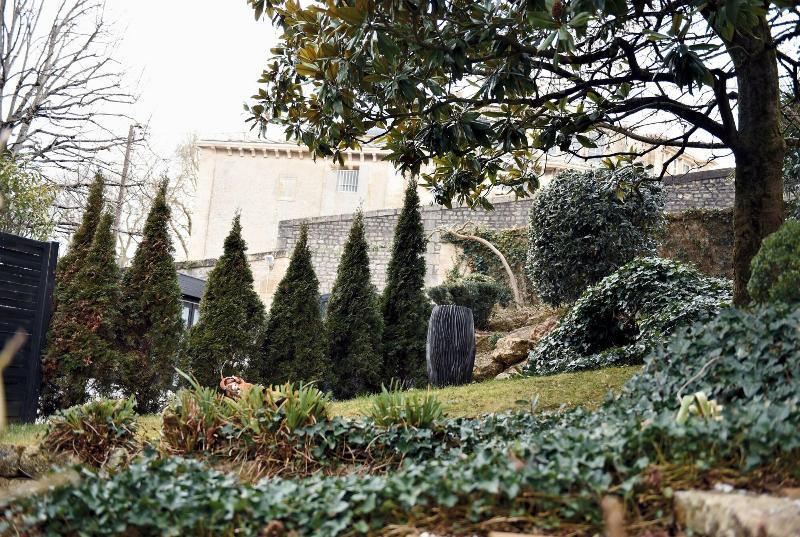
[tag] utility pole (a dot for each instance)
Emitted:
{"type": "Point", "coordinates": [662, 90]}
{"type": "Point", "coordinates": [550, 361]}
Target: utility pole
{"type": "Point", "coordinates": [121, 194]}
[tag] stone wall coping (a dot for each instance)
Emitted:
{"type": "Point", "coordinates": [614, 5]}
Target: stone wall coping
{"type": "Point", "coordinates": [211, 261]}
{"type": "Point", "coordinates": [425, 210]}
{"type": "Point", "coordinates": [721, 173]}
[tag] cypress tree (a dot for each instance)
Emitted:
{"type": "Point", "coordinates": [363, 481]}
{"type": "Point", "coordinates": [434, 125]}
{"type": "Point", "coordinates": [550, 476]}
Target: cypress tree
{"type": "Point", "coordinates": [231, 317]}
{"type": "Point", "coordinates": [83, 344]}
{"type": "Point", "coordinates": [294, 343]}
{"type": "Point", "coordinates": [151, 325]}
{"type": "Point", "coordinates": [71, 262]}
{"type": "Point", "coordinates": [354, 324]}
{"type": "Point", "coordinates": [66, 269]}
{"type": "Point", "coordinates": [404, 304]}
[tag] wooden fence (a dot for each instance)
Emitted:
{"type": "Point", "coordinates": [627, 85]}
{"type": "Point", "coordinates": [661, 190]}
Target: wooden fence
{"type": "Point", "coordinates": [27, 278]}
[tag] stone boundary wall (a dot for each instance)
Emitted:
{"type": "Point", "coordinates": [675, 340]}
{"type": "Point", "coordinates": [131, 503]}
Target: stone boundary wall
{"type": "Point", "coordinates": [326, 236]}
{"type": "Point", "coordinates": [712, 189]}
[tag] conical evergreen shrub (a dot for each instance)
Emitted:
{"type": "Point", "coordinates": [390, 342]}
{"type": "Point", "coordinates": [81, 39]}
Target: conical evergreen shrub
{"type": "Point", "coordinates": [71, 262]}
{"type": "Point", "coordinates": [354, 324]}
{"type": "Point", "coordinates": [227, 337]}
{"type": "Point", "coordinates": [404, 305]}
{"type": "Point", "coordinates": [83, 334]}
{"type": "Point", "coordinates": [68, 266]}
{"type": "Point", "coordinates": [294, 342]}
{"type": "Point", "coordinates": [151, 325]}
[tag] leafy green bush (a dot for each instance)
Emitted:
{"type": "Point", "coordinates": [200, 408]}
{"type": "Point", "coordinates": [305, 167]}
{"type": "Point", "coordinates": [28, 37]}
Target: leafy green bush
{"type": "Point", "coordinates": [775, 270]}
{"type": "Point", "coordinates": [585, 225]}
{"type": "Point", "coordinates": [83, 346]}
{"type": "Point", "coordinates": [294, 344]}
{"type": "Point", "coordinates": [793, 209]}
{"type": "Point", "coordinates": [393, 407]}
{"type": "Point", "coordinates": [150, 321]}
{"type": "Point", "coordinates": [92, 431]}
{"type": "Point", "coordinates": [479, 295]}
{"type": "Point", "coordinates": [619, 319]}
{"type": "Point", "coordinates": [54, 366]}
{"type": "Point", "coordinates": [737, 358]}
{"type": "Point", "coordinates": [551, 467]}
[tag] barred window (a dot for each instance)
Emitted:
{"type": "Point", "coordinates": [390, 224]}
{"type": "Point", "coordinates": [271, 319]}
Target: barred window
{"type": "Point", "coordinates": [347, 180]}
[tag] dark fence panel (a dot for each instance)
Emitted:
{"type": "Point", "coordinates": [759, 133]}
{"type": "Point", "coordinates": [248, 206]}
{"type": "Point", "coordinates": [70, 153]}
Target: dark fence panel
{"type": "Point", "coordinates": [27, 278]}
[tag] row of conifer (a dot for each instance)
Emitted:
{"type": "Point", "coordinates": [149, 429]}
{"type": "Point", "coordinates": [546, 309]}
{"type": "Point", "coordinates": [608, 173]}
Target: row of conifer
{"type": "Point", "coordinates": [113, 331]}
{"type": "Point", "coordinates": [363, 341]}
{"type": "Point", "coordinates": [119, 332]}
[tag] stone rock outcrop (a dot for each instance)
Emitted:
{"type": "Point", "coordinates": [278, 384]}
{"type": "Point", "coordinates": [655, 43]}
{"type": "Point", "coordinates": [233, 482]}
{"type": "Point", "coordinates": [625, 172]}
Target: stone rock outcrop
{"type": "Point", "coordinates": [510, 349]}
{"type": "Point", "coordinates": [514, 347]}
{"type": "Point", "coordinates": [736, 514]}
{"type": "Point", "coordinates": [20, 462]}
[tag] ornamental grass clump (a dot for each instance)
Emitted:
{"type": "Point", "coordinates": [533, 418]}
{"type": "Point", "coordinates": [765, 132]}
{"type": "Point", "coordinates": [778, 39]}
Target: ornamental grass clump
{"type": "Point", "coordinates": [94, 430]}
{"type": "Point", "coordinates": [260, 425]}
{"type": "Point", "coordinates": [395, 408]}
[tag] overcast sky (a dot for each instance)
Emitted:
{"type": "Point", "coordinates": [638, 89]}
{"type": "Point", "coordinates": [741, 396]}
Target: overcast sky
{"type": "Point", "coordinates": [193, 63]}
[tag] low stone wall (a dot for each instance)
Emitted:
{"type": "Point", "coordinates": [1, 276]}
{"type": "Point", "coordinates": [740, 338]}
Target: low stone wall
{"type": "Point", "coordinates": [692, 237]}
{"type": "Point", "coordinates": [326, 236]}
{"type": "Point", "coordinates": [713, 189]}
{"type": "Point", "coordinates": [702, 237]}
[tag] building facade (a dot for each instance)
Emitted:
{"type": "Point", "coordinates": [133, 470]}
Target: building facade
{"type": "Point", "coordinates": [269, 182]}
{"type": "Point", "coordinates": [275, 187]}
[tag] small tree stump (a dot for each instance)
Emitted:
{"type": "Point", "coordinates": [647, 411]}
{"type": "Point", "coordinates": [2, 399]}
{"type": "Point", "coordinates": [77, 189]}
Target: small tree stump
{"type": "Point", "coordinates": [450, 351]}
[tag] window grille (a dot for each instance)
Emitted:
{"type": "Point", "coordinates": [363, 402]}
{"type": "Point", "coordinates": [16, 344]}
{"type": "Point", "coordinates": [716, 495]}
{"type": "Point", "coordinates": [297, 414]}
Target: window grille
{"type": "Point", "coordinates": [347, 180]}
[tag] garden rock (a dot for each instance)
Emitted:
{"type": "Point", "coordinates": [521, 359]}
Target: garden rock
{"type": "Point", "coordinates": [735, 514]}
{"type": "Point", "coordinates": [27, 462]}
{"type": "Point", "coordinates": [485, 367]}
{"type": "Point", "coordinates": [513, 348]}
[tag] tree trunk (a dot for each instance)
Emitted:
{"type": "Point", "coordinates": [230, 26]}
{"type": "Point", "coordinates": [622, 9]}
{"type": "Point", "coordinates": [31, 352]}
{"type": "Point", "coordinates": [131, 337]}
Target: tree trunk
{"type": "Point", "coordinates": [759, 149]}
{"type": "Point", "coordinates": [450, 350]}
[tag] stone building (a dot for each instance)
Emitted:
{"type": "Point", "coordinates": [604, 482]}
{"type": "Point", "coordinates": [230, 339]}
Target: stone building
{"type": "Point", "coordinates": [277, 186]}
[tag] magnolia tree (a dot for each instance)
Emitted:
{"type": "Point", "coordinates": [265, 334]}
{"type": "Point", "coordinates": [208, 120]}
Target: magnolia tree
{"type": "Point", "coordinates": [472, 88]}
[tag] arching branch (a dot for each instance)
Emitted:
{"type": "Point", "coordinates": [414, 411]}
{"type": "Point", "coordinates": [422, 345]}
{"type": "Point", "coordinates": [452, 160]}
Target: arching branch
{"type": "Point", "coordinates": [512, 279]}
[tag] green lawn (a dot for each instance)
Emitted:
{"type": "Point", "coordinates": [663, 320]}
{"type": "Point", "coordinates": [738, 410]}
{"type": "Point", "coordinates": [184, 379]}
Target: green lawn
{"type": "Point", "coordinates": [586, 388]}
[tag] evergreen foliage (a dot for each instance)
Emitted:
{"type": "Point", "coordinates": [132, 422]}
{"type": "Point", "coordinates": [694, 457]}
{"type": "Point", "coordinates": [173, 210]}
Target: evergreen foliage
{"type": "Point", "coordinates": [83, 343]}
{"type": "Point", "coordinates": [585, 225]}
{"type": "Point", "coordinates": [294, 343]}
{"type": "Point", "coordinates": [776, 268]}
{"type": "Point", "coordinates": [81, 241]}
{"type": "Point", "coordinates": [404, 304]}
{"type": "Point", "coordinates": [354, 324]}
{"type": "Point", "coordinates": [478, 293]}
{"type": "Point", "coordinates": [68, 266]}
{"type": "Point", "coordinates": [25, 200]}
{"type": "Point", "coordinates": [226, 338]}
{"type": "Point", "coordinates": [151, 325]}
{"type": "Point", "coordinates": [472, 472]}
{"type": "Point", "coordinates": [626, 314]}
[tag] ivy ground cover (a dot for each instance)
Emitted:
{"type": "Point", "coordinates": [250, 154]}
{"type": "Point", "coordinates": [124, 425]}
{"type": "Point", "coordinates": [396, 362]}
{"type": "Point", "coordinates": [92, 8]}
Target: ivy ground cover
{"type": "Point", "coordinates": [511, 471]}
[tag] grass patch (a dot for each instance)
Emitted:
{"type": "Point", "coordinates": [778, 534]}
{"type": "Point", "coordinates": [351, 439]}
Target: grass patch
{"type": "Point", "coordinates": [25, 434]}
{"type": "Point", "coordinates": [586, 388]}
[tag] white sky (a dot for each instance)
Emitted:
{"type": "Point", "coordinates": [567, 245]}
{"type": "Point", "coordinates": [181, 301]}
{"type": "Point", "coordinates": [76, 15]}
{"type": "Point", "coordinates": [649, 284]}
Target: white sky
{"type": "Point", "coordinates": [193, 64]}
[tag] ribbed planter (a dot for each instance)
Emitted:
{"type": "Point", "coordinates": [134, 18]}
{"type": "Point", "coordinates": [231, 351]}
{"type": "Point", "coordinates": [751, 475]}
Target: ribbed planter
{"type": "Point", "coordinates": [450, 351]}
